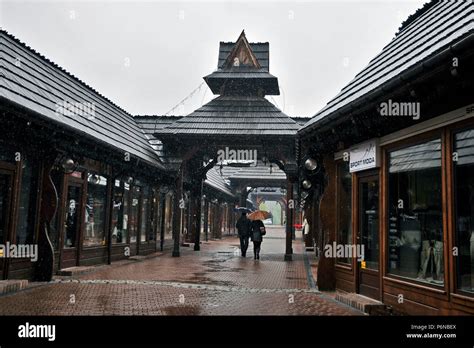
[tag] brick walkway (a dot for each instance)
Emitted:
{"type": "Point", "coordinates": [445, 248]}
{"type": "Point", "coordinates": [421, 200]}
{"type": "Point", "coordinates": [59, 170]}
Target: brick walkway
{"type": "Point", "coordinates": [213, 281]}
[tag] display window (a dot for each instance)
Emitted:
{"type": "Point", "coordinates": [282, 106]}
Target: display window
{"type": "Point", "coordinates": [146, 233]}
{"type": "Point", "coordinates": [27, 203]}
{"type": "Point", "coordinates": [415, 213]}
{"type": "Point", "coordinates": [120, 212]}
{"type": "Point", "coordinates": [463, 164]}
{"type": "Point", "coordinates": [95, 210]}
{"type": "Point", "coordinates": [134, 213]}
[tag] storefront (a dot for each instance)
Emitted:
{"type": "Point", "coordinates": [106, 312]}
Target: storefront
{"type": "Point", "coordinates": [398, 190]}
{"type": "Point", "coordinates": [85, 188]}
{"type": "Point", "coordinates": [412, 213]}
{"type": "Point", "coordinates": [19, 184]}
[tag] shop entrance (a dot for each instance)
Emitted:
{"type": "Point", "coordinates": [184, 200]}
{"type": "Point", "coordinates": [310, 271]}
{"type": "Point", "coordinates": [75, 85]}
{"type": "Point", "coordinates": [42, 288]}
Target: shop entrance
{"type": "Point", "coordinates": [72, 224]}
{"type": "Point", "coordinates": [6, 185]}
{"type": "Point", "coordinates": [368, 235]}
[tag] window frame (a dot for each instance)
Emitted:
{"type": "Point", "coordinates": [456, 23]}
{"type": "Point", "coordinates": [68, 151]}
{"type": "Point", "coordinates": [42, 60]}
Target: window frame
{"type": "Point", "coordinates": [385, 150]}
{"type": "Point", "coordinates": [451, 131]}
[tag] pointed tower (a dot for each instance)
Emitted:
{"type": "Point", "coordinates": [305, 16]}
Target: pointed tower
{"type": "Point", "coordinates": [240, 111]}
{"type": "Point", "coordinates": [243, 69]}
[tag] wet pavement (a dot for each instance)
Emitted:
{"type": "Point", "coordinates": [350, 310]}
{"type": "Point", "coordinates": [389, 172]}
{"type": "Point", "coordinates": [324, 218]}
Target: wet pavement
{"type": "Point", "coordinates": [213, 281]}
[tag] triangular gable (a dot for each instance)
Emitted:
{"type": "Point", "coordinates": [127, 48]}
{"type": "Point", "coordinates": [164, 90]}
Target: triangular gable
{"type": "Point", "coordinates": [241, 54]}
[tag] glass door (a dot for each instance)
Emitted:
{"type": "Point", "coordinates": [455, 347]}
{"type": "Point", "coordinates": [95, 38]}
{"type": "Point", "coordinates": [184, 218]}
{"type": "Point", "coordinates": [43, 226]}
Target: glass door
{"type": "Point", "coordinates": [368, 236]}
{"type": "Point", "coordinates": [72, 225]}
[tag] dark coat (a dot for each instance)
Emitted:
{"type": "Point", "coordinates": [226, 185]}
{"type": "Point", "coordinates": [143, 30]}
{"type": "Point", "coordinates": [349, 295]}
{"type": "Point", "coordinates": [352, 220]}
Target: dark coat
{"type": "Point", "coordinates": [244, 226]}
{"type": "Point", "coordinates": [258, 229]}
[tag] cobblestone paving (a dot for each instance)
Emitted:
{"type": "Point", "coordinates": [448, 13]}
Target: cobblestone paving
{"type": "Point", "coordinates": [213, 281]}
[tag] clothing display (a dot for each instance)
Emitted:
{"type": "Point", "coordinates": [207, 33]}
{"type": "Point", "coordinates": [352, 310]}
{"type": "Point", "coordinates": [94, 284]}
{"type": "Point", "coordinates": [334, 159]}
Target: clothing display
{"type": "Point", "coordinates": [415, 245]}
{"type": "Point", "coordinates": [432, 253]}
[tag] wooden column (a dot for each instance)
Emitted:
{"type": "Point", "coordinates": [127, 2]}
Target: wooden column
{"type": "Point", "coordinates": [206, 219]}
{"type": "Point", "coordinates": [110, 215]}
{"type": "Point", "coordinates": [327, 214]}
{"type": "Point", "coordinates": [196, 194]}
{"type": "Point", "coordinates": [178, 194]}
{"type": "Point", "coordinates": [162, 220]}
{"type": "Point", "coordinates": [289, 219]}
{"type": "Point", "coordinates": [48, 207]}
{"type": "Point", "coordinates": [243, 197]}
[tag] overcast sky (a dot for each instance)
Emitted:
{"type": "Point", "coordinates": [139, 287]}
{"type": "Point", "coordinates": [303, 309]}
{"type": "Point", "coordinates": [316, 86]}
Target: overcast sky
{"type": "Point", "coordinates": [146, 56]}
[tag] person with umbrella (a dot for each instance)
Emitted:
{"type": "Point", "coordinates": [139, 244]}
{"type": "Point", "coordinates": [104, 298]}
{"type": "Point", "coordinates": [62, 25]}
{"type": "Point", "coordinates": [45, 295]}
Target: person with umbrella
{"type": "Point", "coordinates": [258, 231]}
{"type": "Point", "coordinates": [244, 229]}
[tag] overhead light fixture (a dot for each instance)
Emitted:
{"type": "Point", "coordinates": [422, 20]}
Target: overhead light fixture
{"type": "Point", "coordinates": [311, 164]}
{"type": "Point", "coordinates": [68, 165]}
{"type": "Point", "coordinates": [306, 184]}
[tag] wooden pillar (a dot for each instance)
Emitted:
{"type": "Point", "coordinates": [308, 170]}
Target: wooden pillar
{"type": "Point", "coordinates": [327, 214]}
{"type": "Point", "coordinates": [216, 221]}
{"type": "Point", "coordinates": [206, 219]}
{"type": "Point", "coordinates": [243, 197]}
{"type": "Point", "coordinates": [290, 207]}
{"type": "Point", "coordinates": [48, 207]}
{"type": "Point", "coordinates": [110, 215]}
{"type": "Point", "coordinates": [196, 193]}
{"type": "Point", "coordinates": [178, 194]}
{"type": "Point", "coordinates": [162, 220]}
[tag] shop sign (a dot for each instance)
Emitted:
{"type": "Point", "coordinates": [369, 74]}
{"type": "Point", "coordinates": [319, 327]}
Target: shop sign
{"type": "Point", "coordinates": [364, 156]}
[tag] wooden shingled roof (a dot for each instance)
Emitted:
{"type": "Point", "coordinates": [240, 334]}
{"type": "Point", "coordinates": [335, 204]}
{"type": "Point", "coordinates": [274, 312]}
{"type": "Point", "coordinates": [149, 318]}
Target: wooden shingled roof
{"type": "Point", "coordinates": [233, 116]}
{"type": "Point", "coordinates": [30, 80]}
{"type": "Point", "coordinates": [218, 182]}
{"type": "Point", "coordinates": [251, 74]}
{"type": "Point", "coordinates": [240, 111]}
{"type": "Point", "coordinates": [440, 26]}
{"type": "Point", "coordinates": [149, 124]}
{"type": "Point", "coordinates": [261, 50]}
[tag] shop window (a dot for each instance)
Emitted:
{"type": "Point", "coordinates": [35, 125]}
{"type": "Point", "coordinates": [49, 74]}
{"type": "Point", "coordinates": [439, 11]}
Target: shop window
{"type": "Point", "coordinates": [464, 208]}
{"type": "Point", "coordinates": [95, 208]}
{"type": "Point", "coordinates": [344, 206]}
{"type": "Point", "coordinates": [133, 219]}
{"type": "Point", "coordinates": [72, 215]}
{"type": "Point", "coordinates": [146, 232]}
{"type": "Point", "coordinates": [120, 212]}
{"type": "Point", "coordinates": [415, 243]}
{"type": "Point", "coordinates": [26, 209]}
